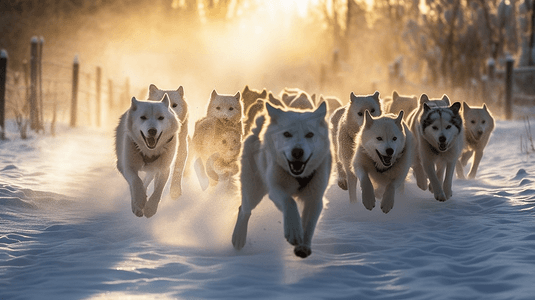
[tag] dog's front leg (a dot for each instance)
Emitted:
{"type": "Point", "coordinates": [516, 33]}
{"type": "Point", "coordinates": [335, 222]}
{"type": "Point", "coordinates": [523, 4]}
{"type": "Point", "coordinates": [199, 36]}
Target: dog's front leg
{"type": "Point", "coordinates": [421, 179]}
{"type": "Point", "coordinates": [387, 203]}
{"type": "Point", "coordinates": [311, 213]}
{"type": "Point", "coordinates": [433, 181]}
{"type": "Point", "coordinates": [293, 231]}
{"type": "Point", "coordinates": [475, 164]}
{"type": "Point", "coordinates": [159, 184]}
{"type": "Point", "coordinates": [352, 187]}
{"type": "Point", "coordinates": [448, 180]}
{"type": "Point", "coordinates": [368, 193]}
{"type": "Point", "coordinates": [138, 193]}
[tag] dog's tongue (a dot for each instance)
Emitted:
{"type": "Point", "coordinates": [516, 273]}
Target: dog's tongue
{"type": "Point", "coordinates": [442, 147]}
{"type": "Point", "coordinates": [387, 160]}
{"type": "Point", "coordinates": [297, 167]}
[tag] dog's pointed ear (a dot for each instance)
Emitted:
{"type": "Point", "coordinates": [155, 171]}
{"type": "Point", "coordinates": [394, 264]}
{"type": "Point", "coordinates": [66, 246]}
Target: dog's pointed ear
{"type": "Point", "coordinates": [181, 91]}
{"type": "Point", "coordinates": [426, 107]}
{"type": "Point", "coordinates": [352, 97]}
{"type": "Point", "coordinates": [213, 95]}
{"type": "Point", "coordinates": [134, 103]}
{"type": "Point", "coordinates": [321, 111]}
{"type": "Point", "coordinates": [466, 107]}
{"type": "Point", "coordinates": [263, 94]}
{"type": "Point", "coordinates": [165, 100]}
{"type": "Point", "coordinates": [273, 112]}
{"type": "Point", "coordinates": [152, 89]}
{"type": "Point", "coordinates": [395, 95]}
{"type": "Point", "coordinates": [399, 118]}
{"type": "Point", "coordinates": [368, 119]}
{"type": "Point", "coordinates": [246, 89]}
{"type": "Point", "coordinates": [446, 99]}
{"type": "Point", "coordinates": [237, 96]}
{"type": "Point", "coordinates": [376, 96]}
{"type": "Point", "coordinates": [423, 99]}
{"type": "Point", "coordinates": [485, 107]}
{"type": "Point", "coordinates": [313, 98]}
{"type": "Point", "coordinates": [455, 107]}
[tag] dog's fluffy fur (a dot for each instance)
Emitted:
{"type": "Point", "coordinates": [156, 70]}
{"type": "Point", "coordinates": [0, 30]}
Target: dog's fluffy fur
{"type": "Point", "coordinates": [288, 155]}
{"type": "Point", "coordinates": [478, 125]}
{"type": "Point", "coordinates": [439, 136]}
{"type": "Point", "coordinates": [382, 159]}
{"type": "Point", "coordinates": [146, 139]}
{"type": "Point", "coordinates": [345, 124]}
{"type": "Point", "coordinates": [256, 108]}
{"type": "Point", "coordinates": [180, 107]}
{"type": "Point", "coordinates": [397, 103]}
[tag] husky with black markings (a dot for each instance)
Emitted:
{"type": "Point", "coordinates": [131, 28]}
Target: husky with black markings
{"type": "Point", "coordinates": [288, 156]}
{"type": "Point", "coordinates": [478, 125]}
{"type": "Point", "coordinates": [146, 139]}
{"type": "Point", "coordinates": [383, 157]}
{"type": "Point", "coordinates": [440, 139]}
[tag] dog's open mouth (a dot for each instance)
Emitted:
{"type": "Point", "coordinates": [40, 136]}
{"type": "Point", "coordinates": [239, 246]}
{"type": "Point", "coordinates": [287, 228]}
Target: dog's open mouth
{"type": "Point", "coordinates": [442, 146]}
{"type": "Point", "coordinates": [385, 159]}
{"type": "Point", "coordinates": [151, 141]}
{"type": "Point", "coordinates": [297, 167]}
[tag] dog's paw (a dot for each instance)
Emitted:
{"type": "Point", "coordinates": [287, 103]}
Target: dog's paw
{"type": "Point", "coordinates": [422, 184]}
{"type": "Point", "coordinates": [138, 205]}
{"type": "Point", "coordinates": [294, 234]}
{"type": "Point", "coordinates": [471, 175]}
{"type": "Point", "coordinates": [342, 183]}
{"type": "Point", "coordinates": [150, 208]}
{"type": "Point", "coordinates": [239, 236]}
{"type": "Point", "coordinates": [387, 205]}
{"type": "Point", "coordinates": [302, 251]}
{"type": "Point", "coordinates": [176, 191]}
{"type": "Point", "coordinates": [368, 202]}
{"type": "Point", "coordinates": [440, 196]}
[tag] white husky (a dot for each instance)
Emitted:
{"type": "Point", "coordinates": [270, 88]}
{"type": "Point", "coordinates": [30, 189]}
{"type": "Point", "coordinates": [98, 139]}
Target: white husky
{"type": "Point", "coordinates": [287, 156]}
{"type": "Point", "coordinates": [478, 125]}
{"type": "Point", "coordinates": [383, 157]}
{"type": "Point", "coordinates": [345, 124]}
{"type": "Point", "coordinates": [147, 140]}
{"type": "Point", "coordinates": [180, 107]}
{"type": "Point", "coordinates": [440, 139]}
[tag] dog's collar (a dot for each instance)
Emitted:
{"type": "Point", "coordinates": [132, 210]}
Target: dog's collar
{"type": "Point", "coordinates": [150, 159]}
{"type": "Point", "coordinates": [304, 181]}
{"type": "Point", "coordinates": [389, 167]}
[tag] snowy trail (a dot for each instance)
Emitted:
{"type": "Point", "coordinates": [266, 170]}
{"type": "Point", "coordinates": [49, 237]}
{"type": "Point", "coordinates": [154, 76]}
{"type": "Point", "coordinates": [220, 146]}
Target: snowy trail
{"type": "Point", "coordinates": [67, 232]}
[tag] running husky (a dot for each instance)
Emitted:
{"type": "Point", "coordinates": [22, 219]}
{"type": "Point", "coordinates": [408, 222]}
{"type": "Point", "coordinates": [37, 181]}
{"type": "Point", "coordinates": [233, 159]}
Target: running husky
{"type": "Point", "coordinates": [180, 107]}
{"type": "Point", "coordinates": [440, 140]}
{"type": "Point", "coordinates": [478, 125]}
{"type": "Point", "coordinates": [397, 103]}
{"type": "Point", "coordinates": [288, 155]}
{"type": "Point", "coordinates": [383, 158]}
{"type": "Point", "coordinates": [146, 139]}
{"type": "Point", "coordinates": [345, 124]}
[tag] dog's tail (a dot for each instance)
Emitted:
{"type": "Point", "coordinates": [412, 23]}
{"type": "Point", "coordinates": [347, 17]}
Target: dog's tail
{"type": "Point", "coordinates": [259, 124]}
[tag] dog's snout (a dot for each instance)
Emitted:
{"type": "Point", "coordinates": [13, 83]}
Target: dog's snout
{"type": "Point", "coordinates": [389, 151]}
{"type": "Point", "coordinates": [442, 139]}
{"type": "Point", "coordinates": [152, 131]}
{"type": "Point", "coordinates": [480, 132]}
{"type": "Point", "coordinates": [297, 153]}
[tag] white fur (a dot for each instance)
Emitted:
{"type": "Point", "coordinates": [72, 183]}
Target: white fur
{"type": "Point", "coordinates": [478, 125]}
{"type": "Point", "coordinates": [137, 150]}
{"type": "Point", "coordinates": [389, 137]}
{"type": "Point", "coordinates": [273, 160]}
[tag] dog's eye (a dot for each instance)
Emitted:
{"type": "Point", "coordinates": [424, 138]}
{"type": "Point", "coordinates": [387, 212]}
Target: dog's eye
{"type": "Point", "coordinates": [175, 105]}
{"type": "Point", "coordinates": [143, 118]}
{"type": "Point", "coordinates": [395, 138]}
{"type": "Point", "coordinates": [160, 118]}
{"type": "Point", "coordinates": [448, 127]}
{"type": "Point", "coordinates": [287, 134]}
{"type": "Point", "coordinates": [483, 122]}
{"type": "Point", "coordinates": [379, 138]}
{"type": "Point", "coordinates": [309, 135]}
{"type": "Point", "coordinates": [360, 114]}
{"type": "Point", "coordinates": [473, 121]}
{"type": "Point", "coordinates": [232, 108]}
{"type": "Point", "coordinates": [218, 108]}
{"type": "Point", "coordinates": [435, 128]}
{"type": "Point", "coordinates": [373, 110]}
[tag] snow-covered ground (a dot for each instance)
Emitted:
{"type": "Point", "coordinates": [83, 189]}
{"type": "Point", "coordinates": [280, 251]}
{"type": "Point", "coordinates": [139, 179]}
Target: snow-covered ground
{"type": "Point", "coordinates": [67, 232]}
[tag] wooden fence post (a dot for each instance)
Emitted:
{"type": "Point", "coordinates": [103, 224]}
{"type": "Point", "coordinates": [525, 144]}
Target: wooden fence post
{"type": "Point", "coordinates": [98, 87]}
{"type": "Point", "coordinates": [40, 82]}
{"type": "Point", "coordinates": [3, 76]}
{"type": "Point", "coordinates": [509, 87]}
{"type": "Point", "coordinates": [74, 103]}
{"type": "Point", "coordinates": [34, 107]}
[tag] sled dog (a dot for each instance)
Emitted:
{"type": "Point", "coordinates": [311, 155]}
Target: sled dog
{"type": "Point", "coordinates": [440, 140]}
{"type": "Point", "coordinates": [256, 108]}
{"type": "Point", "coordinates": [478, 125]}
{"type": "Point", "coordinates": [302, 101]}
{"type": "Point", "coordinates": [180, 107]}
{"type": "Point", "coordinates": [383, 157]}
{"type": "Point", "coordinates": [397, 103]}
{"type": "Point", "coordinates": [288, 156]}
{"type": "Point", "coordinates": [224, 113]}
{"type": "Point", "coordinates": [345, 124]}
{"type": "Point", "coordinates": [146, 139]}
{"type": "Point", "coordinates": [249, 97]}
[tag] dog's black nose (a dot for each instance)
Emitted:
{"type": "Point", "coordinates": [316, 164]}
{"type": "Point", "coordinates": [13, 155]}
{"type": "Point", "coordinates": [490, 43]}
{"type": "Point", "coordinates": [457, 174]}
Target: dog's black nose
{"type": "Point", "coordinates": [389, 151]}
{"type": "Point", "coordinates": [152, 132]}
{"type": "Point", "coordinates": [297, 153]}
{"type": "Point", "coordinates": [442, 139]}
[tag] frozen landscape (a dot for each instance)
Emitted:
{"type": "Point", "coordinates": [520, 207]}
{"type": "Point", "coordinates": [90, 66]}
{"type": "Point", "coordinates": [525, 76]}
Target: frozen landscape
{"type": "Point", "coordinates": [67, 232]}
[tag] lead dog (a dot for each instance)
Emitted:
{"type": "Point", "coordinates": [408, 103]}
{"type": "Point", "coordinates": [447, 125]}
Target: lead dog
{"type": "Point", "coordinates": [146, 139]}
{"type": "Point", "coordinates": [288, 155]}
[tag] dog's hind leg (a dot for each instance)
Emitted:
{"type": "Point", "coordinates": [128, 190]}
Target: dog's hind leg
{"type": "Point", "coordinates": [460, 170]}
{"type": "Point", "coordinates": [475, 164]}
{"type": "Point", "coordinates": [419, 173]}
